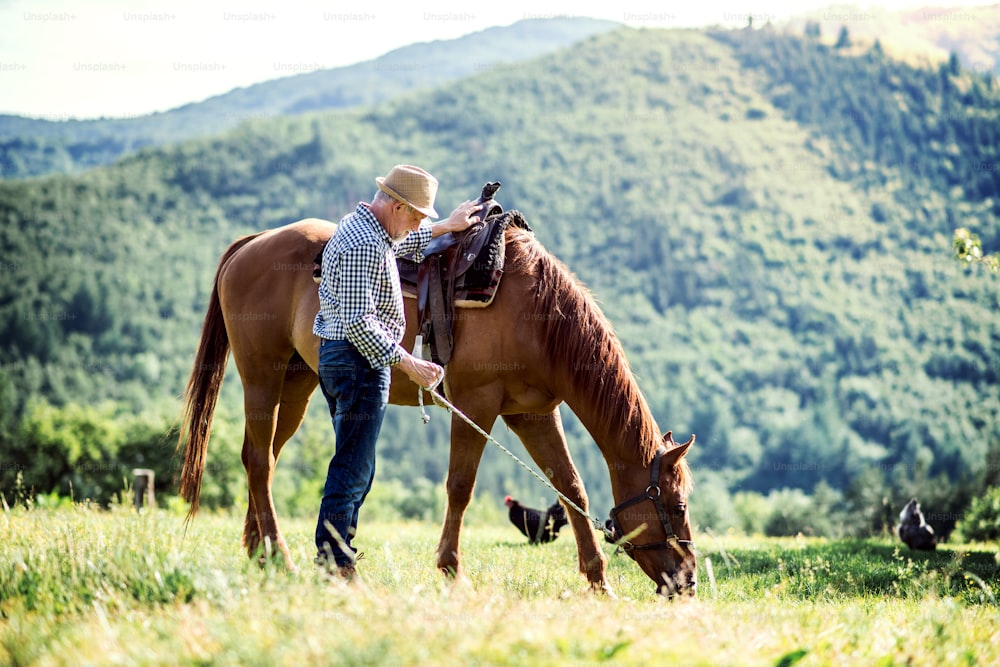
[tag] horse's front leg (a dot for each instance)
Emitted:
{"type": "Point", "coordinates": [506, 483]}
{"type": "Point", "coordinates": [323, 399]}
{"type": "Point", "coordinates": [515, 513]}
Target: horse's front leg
{"type": "Point", "coordinates": [466, 452]}
{"type": "Point", "coordinates": [543, 437]}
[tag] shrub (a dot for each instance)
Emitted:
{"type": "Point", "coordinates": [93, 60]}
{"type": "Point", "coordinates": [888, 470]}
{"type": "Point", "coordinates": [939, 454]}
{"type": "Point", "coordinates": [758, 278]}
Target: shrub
{"type": "Point", "coordinates": [84, 451]}
{"type": "Point", "coordinates": [792, 512]}
{"type": "Point", "coordinates": [981, 522]}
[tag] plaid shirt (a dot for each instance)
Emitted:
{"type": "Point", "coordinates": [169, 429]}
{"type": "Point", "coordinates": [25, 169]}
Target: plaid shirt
{"type": "Point", "coordinates": [360, 299]}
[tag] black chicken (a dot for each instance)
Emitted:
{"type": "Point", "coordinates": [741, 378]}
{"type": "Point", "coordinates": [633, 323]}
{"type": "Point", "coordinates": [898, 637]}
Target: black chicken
{"type": "Point", "coordinates": [536, 525]}
{"type": "Point", "coordinates": [913, 529]}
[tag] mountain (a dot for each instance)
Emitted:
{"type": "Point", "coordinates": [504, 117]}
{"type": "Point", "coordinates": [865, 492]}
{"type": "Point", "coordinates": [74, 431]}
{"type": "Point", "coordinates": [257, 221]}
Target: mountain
{"type": "Point", "coordinates": [766, 220]}
{"type": "Point", "coordinates": [926, 34]}
{"type": "Point", "coordinates": [31, 147]}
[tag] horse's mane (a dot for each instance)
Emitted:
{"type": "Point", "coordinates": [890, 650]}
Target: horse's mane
{"type": "Point", "coordinates": [566, 309]}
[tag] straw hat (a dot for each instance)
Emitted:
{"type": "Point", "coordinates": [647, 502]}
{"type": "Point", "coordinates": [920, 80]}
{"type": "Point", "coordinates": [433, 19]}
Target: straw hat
{"type": "Point", "coordinates": [411, 185]}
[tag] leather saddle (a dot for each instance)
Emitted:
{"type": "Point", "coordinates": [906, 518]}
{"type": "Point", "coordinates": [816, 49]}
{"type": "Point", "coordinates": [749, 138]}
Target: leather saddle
{"type": "Point", "coordinates": [459, 270]}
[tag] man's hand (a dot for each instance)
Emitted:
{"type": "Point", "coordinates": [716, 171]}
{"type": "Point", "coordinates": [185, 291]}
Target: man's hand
{"type": "Point", "coordinates": [424, 373]}
{"type": "Point", "coordinates": [459, 220]}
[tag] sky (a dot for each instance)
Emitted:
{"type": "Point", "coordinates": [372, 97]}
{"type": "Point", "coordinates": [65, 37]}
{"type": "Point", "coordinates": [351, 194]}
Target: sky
{"type": "Point", "coordinates": [63, 59]}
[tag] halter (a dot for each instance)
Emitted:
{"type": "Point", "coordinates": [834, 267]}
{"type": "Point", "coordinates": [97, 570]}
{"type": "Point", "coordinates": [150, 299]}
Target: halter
{"type": "Point", "coordinates": [652, 494]}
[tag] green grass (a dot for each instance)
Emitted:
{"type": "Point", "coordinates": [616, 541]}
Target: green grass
{"type": "Point", "coordinates": [84, 586]}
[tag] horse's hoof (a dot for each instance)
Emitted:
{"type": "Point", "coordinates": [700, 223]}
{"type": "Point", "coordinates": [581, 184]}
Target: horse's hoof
{"type": "Point", "coordinates": [603, 588]}
{"type": "Point", "coordinates": [449, 571]}
{"type": "Point", "coordinates": [459, 587]}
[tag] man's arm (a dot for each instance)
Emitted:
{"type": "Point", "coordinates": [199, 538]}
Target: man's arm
{"type": "Point", "coordinates": [458, 221]}
{"type": "Point", "coordinates": [358, 311]}
{"type": "Point", "coordinates": [416, 241]}
{"type": "Point", "coordinates": [424, 373]}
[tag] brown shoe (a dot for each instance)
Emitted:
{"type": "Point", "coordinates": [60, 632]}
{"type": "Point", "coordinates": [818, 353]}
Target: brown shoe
{"type": "Point", "coordinates": [347, 573]}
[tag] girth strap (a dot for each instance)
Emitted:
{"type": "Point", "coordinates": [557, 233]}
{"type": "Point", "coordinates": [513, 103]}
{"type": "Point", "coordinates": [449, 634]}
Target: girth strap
{"type": "Point", "coordinates": [440, 314]}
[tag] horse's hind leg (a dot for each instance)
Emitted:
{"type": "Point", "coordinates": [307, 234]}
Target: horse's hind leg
{"type": "Point", "coordinates": [545, 441]}
{"type": "Point", "coordinates": [273, 416]}
{"type": "Point", "coordinates": [300, 383]}
{"type": "Point", "coordinates": [261, 397]}
{"type": "Point", "coordinates": [466, 452]}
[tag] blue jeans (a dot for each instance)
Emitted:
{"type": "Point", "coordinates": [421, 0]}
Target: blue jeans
{"type": "Point", "coordinates": [357, 395]}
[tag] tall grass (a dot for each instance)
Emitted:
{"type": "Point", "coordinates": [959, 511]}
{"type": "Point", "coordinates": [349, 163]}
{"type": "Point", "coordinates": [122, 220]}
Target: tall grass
{"type": "Point", "coordinates": [85, 586]}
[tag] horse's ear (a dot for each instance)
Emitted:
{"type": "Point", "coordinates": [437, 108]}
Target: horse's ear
{"type": "Point", "coordinates": [675, 452]}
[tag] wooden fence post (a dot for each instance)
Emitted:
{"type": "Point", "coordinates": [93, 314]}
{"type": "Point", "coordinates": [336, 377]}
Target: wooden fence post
{"type": "Point", "coordinates": [144, 491]}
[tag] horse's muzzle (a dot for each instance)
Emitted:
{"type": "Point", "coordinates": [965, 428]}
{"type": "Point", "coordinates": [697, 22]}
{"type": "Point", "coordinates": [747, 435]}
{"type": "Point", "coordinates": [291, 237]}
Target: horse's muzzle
{"type": "Point", "coordinates": [671, 588]}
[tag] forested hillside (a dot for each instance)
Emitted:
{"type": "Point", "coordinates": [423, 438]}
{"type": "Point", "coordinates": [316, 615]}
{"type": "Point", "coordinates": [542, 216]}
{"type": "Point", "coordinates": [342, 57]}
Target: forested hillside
{"type": "Point", "coordinates": [929, 34]}
{"type": "Point", "coordinates": [773, 248]}
{"type": "Point", "coordinates": [932, 125]}
{"type": "Point", "coordinates": [33, 147]}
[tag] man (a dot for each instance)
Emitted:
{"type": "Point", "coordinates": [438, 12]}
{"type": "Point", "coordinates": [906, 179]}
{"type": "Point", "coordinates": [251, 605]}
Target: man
{"type": "Point", "coordinates": [360, 325]}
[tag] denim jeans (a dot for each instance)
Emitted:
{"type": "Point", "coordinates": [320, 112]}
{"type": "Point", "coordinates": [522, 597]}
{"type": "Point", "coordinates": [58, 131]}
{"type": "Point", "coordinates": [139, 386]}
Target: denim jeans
{"type": "Point", "coordinates": [357, 395]}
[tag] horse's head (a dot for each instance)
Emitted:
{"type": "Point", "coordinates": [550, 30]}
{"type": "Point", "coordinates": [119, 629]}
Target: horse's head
{"type": "Point", "coordinates": [653, 527]}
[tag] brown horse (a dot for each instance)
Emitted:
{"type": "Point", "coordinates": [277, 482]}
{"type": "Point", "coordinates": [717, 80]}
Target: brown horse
{"type": "Point", "coordinates": [542, 341]}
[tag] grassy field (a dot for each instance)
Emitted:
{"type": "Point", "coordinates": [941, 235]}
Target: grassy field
{"type": "Point", "coordinates": [80, 586]}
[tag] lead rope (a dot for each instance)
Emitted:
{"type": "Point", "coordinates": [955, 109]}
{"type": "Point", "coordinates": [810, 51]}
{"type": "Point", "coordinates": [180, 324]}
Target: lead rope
{"type": "Point", "coordinates": [418, 352]}
{"type": "Point", "coordinates": [444, 402]}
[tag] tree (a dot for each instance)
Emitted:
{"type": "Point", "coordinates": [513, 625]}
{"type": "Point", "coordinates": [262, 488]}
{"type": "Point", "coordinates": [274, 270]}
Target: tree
{"type": "Point", "coordinates": [954, 66]}
{"type": "Point", "coordinates": [843, 39]}
{"type": "Point", "coordinates": [969, 249]}
{"type": "Point", "coordinates": [981, 521]}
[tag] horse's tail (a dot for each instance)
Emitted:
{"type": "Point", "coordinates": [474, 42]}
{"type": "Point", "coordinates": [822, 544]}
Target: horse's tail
{"type": "Point", "coordinates": [203, 387]}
